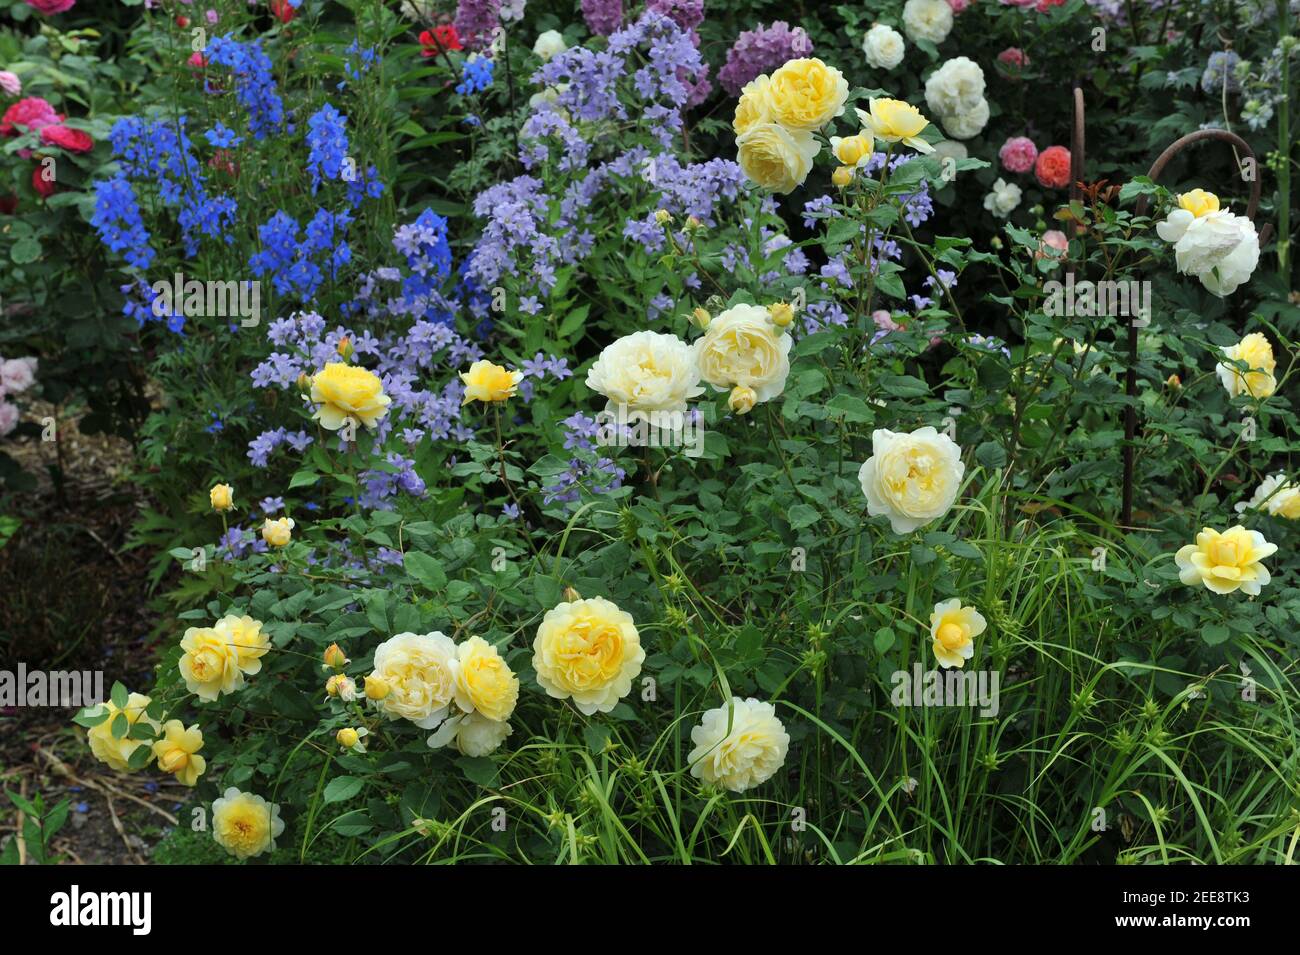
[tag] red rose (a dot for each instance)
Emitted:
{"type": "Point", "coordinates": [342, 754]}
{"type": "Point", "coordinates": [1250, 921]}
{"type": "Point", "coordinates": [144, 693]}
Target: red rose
{"type": "Point", "coordinates": [44, 187]}
{"type": "Point", "coordinates": [32, 112]}
{"type": "Point", "coordinates": [198, 61]}
{"type": "Point", "coordinates": [182, 22]}
{"type": "Point", "coordinates": [440, 38]}
{"type": "Point", "coordinates": [281, 10]}
{"type": "Point", "coordinates": [73, 140]}
{"type": "Point", "coordinates": [51, 7]}
{"type": "Point", "coordinates": [1052, 170]}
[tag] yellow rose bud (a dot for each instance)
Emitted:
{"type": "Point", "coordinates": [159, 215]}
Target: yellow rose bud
{"type": "Point", "coordinates": [304, 382]}
{"type": "Point", "coordinates": [279, 532]}
{"type": "Point", "coordinates": [842, 176]}
{"type": "Point", "coordinates": [1173, 381]}
{"type": "Point", "coordinates": [782, 314]}
{"type": "Point", "coordinates": [853, 150]}
{"type": "Point", "coordinates": [1199, 202]}
{"type": "Point", "coordinates": [222, 497]}
{"type": "Point", "coordinates": [1256, 351]}
{"type": "Point", "coordinates": [742, 399]}
{"type": "Point", "coordinates": [488, 382]}
{"type": "Point", "coordinates": [693, 224]}
{"type": "Point", "coordinates": [344, 348]}
{"type": "Point", "coordinates": [347, 737]}
{"type": "Point", "coordinates": [701, 317]}
{"type": "Point", "coordinates": [334, 657]}
{"type": "Point", "coordinates": [571, 594]}
{"type": "Point", "coordinates": [376, 687]}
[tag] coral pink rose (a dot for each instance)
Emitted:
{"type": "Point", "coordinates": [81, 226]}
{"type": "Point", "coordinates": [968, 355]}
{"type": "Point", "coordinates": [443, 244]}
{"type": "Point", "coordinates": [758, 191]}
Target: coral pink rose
{"type": "Point", "coordinates": [1018, 154]}
{"type": "Point", "coordinates": [73, 140]}
{"type": "Point", "coordinates": [1052, 170]}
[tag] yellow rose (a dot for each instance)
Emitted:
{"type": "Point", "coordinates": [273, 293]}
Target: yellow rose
{"type": "Point", "coordinates": [587, 650]}
{"type": "Point", "coordinates": [1256, 351]}
{"type": "Point", "coordinates": [776, 158]}
{"type": "Point", "coordinates": [209, 666]}
{"type": "Point", "coordinates": [753, 108]}
{"type": "Point", "coordinates": [742, 347]}
{"type": "Point", "coordinates": [345, 392]}
{"type": "Point", "coordinates": [842, 176]}
{"type": "Point", "coordinates": [484, 683]}
{"type": "Point", "coordinates": [342, 686]}
{"type": "Point", "coordinates": [245, 825]}
{"type": "Point", "coordinates": [376, 687]}
{"type": "Point", "coordinates": [953, 629]}
{"type": "Point", "coordinates": [742, 399]}
{"type": "Point", "coordinates": [645, 372]}
{"type": "Point", "coordinates": [348, 738]}
{"type": "Point", "coordinates": [334, 657]}
{"type": "Point", "coordinates": [701, 317]}
{"type": "Point", "coordinates": [420, 672]}
{"type": "Point", "coordinates": [244, 637]}
{"type": "Point", "coordinates": [894, 121]}
{"type": "Point", "coordinates": [488, 382]}
{"type": "Point", "coordinates": [1226, 562]}
{"type": "Point", "coordinates": [806, 94]}
{"type": "Point", "coordinates": [177, 752]}
{"type": "Point", "coordinates": [279, 532]}
{"type": "Point", "coordinates": [781, 313]}
{"type": "Point", "coordinates": [912, 479]}
{"type": "Point", "coordinates": [1199, 202]}
{"type": "Point", "coordinates": [853, 150]}
{"type": "Point", "coordinates": [222, 497]}
{"type": "Point", "coordinates": [738, 745]}
{"type": "Point", "coordinates": [115, 751]}
{"type": "Point", "coordinates": [1276, 495]}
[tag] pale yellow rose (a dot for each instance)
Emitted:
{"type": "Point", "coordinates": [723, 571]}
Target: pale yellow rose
{"type": "Point", "coordinates": [806, 94]}
{"type": "Point", "coordinates": [1226, 562]}
{"type": "Point", "coordinates": [472, 734]}
{"type": "Point", "coordinates": [245, 825]}
{"type": "Point", "coordinates": [1199, 202]}
{"type": "Point", "coordinates": [587, 650]}
{"type": "Point", "coordinates": [345, 392]}
{"type": "Point", "coordinates": [177, 752]}
{"type": "Point", "coordinates": [912, 479]}
{"type": "Point", "coordinates": [738, 745]}
{"type": "Point", "coordinates": [753, 108]}
{"type": "Point", "coordinates": [776, 158]}
{"type": "Point", "coordinates": [853, 150]}
{"type": "Point", "coordinates": [246, 640]}
{"type": "Point", "coordinates": [420, 673]}
{"type": "Point", "coordinates": [895, 121]}
{"type": "Point", "coordinates": [743, 347]}
{"type": "Point", "coordinates": [210, 665]}
{"type": "Point", "coordinates": [1257, 352]}
{"type": "Point", "coordinates": [278, 532]}
{"type": "Point", "coordinates": [488, 382]}
{"type": "Point", "coordinates": [1276, 495]}
{"type": "Point", "coordinates": [222, 497]}
{"type": "Point", "coordinates": [646, 372]}
{"type": "Point", "coordinates": [484, 682]}
{"type": "Point", "coordinates": [114, 751]}
{"type": "Point", "coordinates": [953, 629]}
{"type": "Point", "coordinates": [742, 399]}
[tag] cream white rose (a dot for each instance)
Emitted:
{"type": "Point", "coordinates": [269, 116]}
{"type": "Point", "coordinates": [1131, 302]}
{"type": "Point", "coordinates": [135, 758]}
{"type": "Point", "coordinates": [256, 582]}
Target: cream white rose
{"type": "Point", "coordinates": [1002, 198]}
{"type": "Point", "coordinates": [912, 479]}
{"type": "Point", "coordinates": [1276, 495]}
{"type": "Point", "coordinates": [955, 87]}
{"type": "Point", "coordinates": [968, 124]}
{"type": "Point", "coordinates": [549, 44]}
{"type": "Point", "coordinates": [884, 47]}
{"type": "Point", "coordinates": [646, 371]}
{"type": "Point", "coordinates": [738, 745]}
{"type": "Point", "coordinates": [472, 734]}
{"type": "Point", "coordinates": [420, 672]}
{"type": "Point", "coordinates": [1219, 248]}
{"type": "Point", "coordinates": [743, 347]}
{"type": "Point", "coordinates": [927, 20]}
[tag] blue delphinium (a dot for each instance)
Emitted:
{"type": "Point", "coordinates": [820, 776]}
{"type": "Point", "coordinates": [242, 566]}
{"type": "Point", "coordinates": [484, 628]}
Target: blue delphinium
{"type": "Point", "coordinates": [327, 142]}
{"type": "Point", "coordinates": [476, 75]}
{"type": "Point", "coordinates": [117, 219]}
{"type": "Point", "coordinates": [254, 85]}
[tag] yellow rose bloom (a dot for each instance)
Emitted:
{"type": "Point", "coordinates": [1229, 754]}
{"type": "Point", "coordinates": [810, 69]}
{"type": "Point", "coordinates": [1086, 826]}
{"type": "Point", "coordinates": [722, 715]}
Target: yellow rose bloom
{"type": "Point", "coordinates": [245, 825]}
{"type": "Point", "coordinates": [209, 666]}
{"type": "Point", "coordinates": [895, 121]}
{"type": "Point", "coordinates": [1226, 562]}
{"type": "Point", "coordinates": [912, 479]}
{"type": "Point", "coordinates": [806, 94]}
{"type": "Point", "coordinates": [587, 650]}
{"type": "Point", "coordinates": [743, 347]}
{"type": "Point", "coordinates": [738, 745]}
{"type": "Point", "coordinates": [488, 382]}
{"type": "Point", "coordinates": [222, 497]}
{"type": "Point", "coordinates": [953, 629]}
{"type": "Point", "coordinates": [853, 150]}
{"type": "Point", "coordinates": [776, 158]}
{"type": "Point", "coordinates": [342, 392]}
{"type": "Point", "coordinates": [244, 637]}
{"type": "Point", "coordinates": [1199, 202]}
{"type": "Point", "coordinates": [753, 108]}
{"type": "Point", "coordinates": [1277, 495]}
{"type": "Point", "coordinates": [106, 747]}
{"type": "Point", "coordinates": [1257, 352]}
{"type": "Point", "coordinates": [177, 752]}
{"type": "Point", "coordinates": [484, 682]}
{"type": "Point", "coordinates": [279, 532]}
{"type": "Point", "coordinates": [842, 176]}
{"type": "Point", "coordinates": [420, 672]}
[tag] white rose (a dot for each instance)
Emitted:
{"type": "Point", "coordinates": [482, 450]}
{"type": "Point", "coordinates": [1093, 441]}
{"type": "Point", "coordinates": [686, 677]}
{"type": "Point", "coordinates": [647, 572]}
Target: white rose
{"type": "Point", "coordinates": [1276, 495]}
{"type": "Point", "coordinates": [549, 44]}
{"type": "Point", "coordinates": [420, 670]}
{"type": "Point", "coordinates": [967, 124]}
{"type": "Point", "coordinates": [646, 371]}
{"type": "Point", "coordinates": [927, 20]}
{"type": "Point", "coordinates": [1219, 248]}
{"type": "Point", "coordinates": [472, 734]}
{"type": "Point", "coordinates": [743, 347]}
{"type": "Point", "coordinates": [955, 87]}
{"type": "Point", "coordinates": [751, 753]}
{"type": "Point", "coordinates": [1004, 198]}
{"type": "Point", "coordinates": [912, 479]}
{"type": "Point", "coordinates": [884, 47]}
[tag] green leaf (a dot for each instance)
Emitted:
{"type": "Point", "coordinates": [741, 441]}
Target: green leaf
{"type": "Point", "coordinates": [25, 250]}
{"type": "Point", "coordinates": [119, 695]}
{"type": "Point", "coordinates": [884, 639]}
{"type": "Point", "coordinates": [342, 788]}
{"type": "Point", "coordinates": [991, 455]}
{"type": "Point", "coordinates": [427, 570]}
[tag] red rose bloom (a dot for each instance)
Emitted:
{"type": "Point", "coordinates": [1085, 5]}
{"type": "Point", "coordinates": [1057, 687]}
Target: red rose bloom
{"type": "Point", "coordinates": [32, 112]}
{"type": "Point", "coordinates": [281, 10]}
{"type": "Point", "coordinates": [45, 188]}
{"type": "Point", "coordinates": [73, 140]}
{"type": "Point", "coordinates": [440, 38]}
{"type": "Point", "coordinates": [1052, 170]}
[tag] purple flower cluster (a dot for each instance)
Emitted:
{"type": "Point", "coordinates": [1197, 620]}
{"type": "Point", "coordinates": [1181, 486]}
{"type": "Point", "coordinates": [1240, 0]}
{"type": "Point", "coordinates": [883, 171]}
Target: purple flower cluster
{"type": "Point", "coordinates": [687, 14]}
{"type": "Point", "coordinates": [477, 21]}
{"type": "Point", "coordinates": [603, 16]}
{"type": "Point", "coordinates": [587, 470]}
{"type": "Point", "coordinates": [760, 51]}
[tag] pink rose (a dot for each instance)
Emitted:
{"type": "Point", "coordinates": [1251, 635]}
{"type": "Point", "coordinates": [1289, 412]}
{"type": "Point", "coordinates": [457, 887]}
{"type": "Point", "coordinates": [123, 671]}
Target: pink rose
{"type": "Point", "coordinates": [1013, 57]}
{"type": "Point", "coordinates": [10, 83]}
{"type": "Point", "coordinates": [8, 413]}
{"type": "Point", "coordinates": [885, 321]}
{"type": "Point", "coordinates": [1018, 154]}
{"type": "Point", "coordinates": [1052, 245]}
{"type": "Point", "coordinates": [959, 6]}
{"type": "Point", "coordinates": [73, 140]}
{"type": "Point", "coordinates": [33, 112]}
{"type": "Point", "coordinates": [17, 375]}
{"type": "Point", "coordinates": [51, 7]}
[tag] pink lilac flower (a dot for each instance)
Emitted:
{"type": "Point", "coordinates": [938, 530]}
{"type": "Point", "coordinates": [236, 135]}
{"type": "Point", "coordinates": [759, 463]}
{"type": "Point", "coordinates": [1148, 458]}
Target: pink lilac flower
{"type": "Point", "coordinates": [760, 51]}
{"type": "Point", "coordinates": [1018, 154]}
